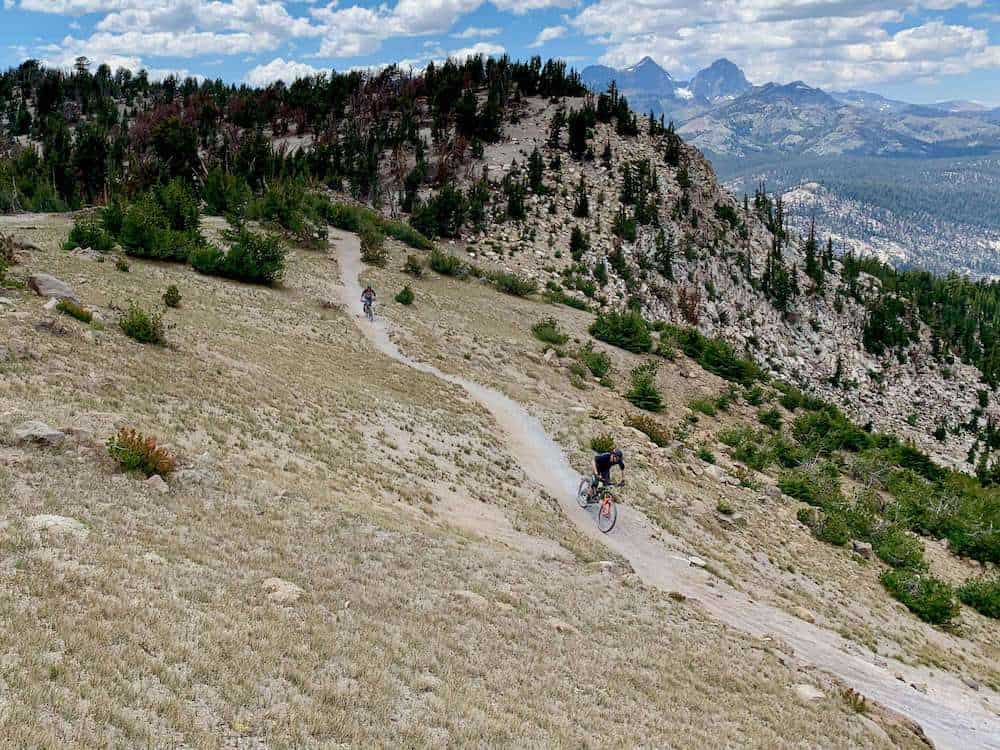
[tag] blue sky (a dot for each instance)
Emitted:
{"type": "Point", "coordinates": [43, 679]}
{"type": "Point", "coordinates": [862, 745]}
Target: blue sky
{"type": "Point", "coordinates": [918, 50]}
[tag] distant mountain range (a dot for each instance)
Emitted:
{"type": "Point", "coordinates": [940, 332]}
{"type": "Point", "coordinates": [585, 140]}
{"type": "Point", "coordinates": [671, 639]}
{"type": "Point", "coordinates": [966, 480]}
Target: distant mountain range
{"type": "Point", "coordinates": [720, 111]}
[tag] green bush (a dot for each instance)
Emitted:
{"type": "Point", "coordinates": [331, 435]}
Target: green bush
{"type": "Point", "coordinates": [179, 205]}
{"type": "Point", "coordinates": [405, 296]}
{"type": "Point", "coordinates": [828, 430]}
{"type": "Point", "coordinates": [983, 595]}
{"type": "Point", "coordinates": [86, 232]}
{"type": "Point", "coordinates": [136, 452]}
{"type": "Point", "coordinates": [626, 330]}
{"type": "Point", "coordinates": [832, 528]}
{"type": "Point", "coordinates": [225, 194]}
{"type": "Point", "coordinates": [650, 428]}
{"type": "Point", "coordinates": [714, 355]}
{"type": "Point", "coordinates": [445, 264]}
{"type": "Point", "coordinates": [599, 363]}
{"type": "Point", "coordinates": [112, 216]}
{"type": "Point", "coordinates": [373, 251]}
{"type": "Point", "coordinates": [897, 548]}
{"type": "Point", "coordinates": [770, 418]}
{"type": "Point", "coordinates": [252, 257]}
{"type": "Point", "coordinates": [513, 284]}
{"type": "Point", "coordinates": [927, 597]}
{"type": "Point", "coordinates": [122, 265]}
{"type": "Point", "coordinates": [146, 232]}
{"type": "Point", "coordinates": [643, 392]}
{"type": "Point", "coordinates": [351, 218]}
{"type": "Point", "coordinates": [602, 443]}
{"type": "Point", "coordinates": [547, 330]}
{"type": "Point", "coordinates": [143, 326]}
{"type": "Point", "coordinates": [172, 297]}
{"type": "Point", "coordinates": [814, 486]}
{"type": "Point", "coordinates": [704, 406]}
{"type": "Point", "coordinates": [71, 308]}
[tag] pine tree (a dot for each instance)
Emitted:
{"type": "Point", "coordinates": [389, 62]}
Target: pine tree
{"type": "Point", "coordinates": [536, 172]}
{"type": "Point", "coordinates": [664, 255]}
{"type": "Point", "coordinates": [814, 270]}
{"type": "Point", "coordinates": [581, 204]}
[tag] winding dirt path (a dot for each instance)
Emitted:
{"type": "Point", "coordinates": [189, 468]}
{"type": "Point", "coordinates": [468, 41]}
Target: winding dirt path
{"type": "Point", "coordinates": [950, 714]}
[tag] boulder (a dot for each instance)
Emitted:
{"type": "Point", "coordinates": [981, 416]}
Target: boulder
{"type": "Point", "coordinates": [37, 433]}
{"type": "Point", "coordinates": [808, 693]}
{"type": "Point", "coordinates": [49, 286]}
{"type": "Point", "coordinates": [57, 525]}
{"type": "Point", "coordinates": [804, 614]}
{"type": "Point", "coordinates": [157, 484]}
{"type": "Point", "coordinates": [281, 591]}
{"type": "Point", "coordinates": [863, 548]}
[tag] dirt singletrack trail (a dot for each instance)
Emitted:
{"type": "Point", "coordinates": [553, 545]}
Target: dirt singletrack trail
{"type": "Point", "coordinates": [950, 714]}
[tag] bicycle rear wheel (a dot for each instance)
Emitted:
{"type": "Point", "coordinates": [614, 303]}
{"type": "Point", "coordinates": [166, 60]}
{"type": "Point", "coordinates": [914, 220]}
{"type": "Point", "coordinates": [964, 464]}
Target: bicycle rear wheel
{"type": "Point", "coordinates": [583, 494]}
{"type": "Point", "coordinates": [607, 513]}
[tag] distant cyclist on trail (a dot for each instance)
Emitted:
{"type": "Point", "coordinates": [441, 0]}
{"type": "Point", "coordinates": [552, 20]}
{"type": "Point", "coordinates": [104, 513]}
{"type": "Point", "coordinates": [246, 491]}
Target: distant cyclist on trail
{"type": "Point", "coordinates": [367, 300]}
{"type": "Point", "coordinates": [602, 466]}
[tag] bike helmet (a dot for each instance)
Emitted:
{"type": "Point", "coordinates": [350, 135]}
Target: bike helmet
{"type": "Point", "coordinates": [618, 456]}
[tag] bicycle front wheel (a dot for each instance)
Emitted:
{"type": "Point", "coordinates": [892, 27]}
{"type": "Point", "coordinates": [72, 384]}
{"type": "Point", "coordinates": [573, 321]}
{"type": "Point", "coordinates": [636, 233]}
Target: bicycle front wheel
{"type": "Point", "coordinates": [607, 514]}
{"type": "Point", "coordinates": [583, 494]}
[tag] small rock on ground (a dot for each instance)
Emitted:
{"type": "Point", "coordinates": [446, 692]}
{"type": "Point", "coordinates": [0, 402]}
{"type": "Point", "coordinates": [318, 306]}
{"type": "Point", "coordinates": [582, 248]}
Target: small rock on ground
{"type": "Point", "coordinates": [281, 591]}
{"type": "Point", "coordinates": [38, 433]}
{"type": "Point", "coordinates": [156, 483]}
{"type": "Point", "coordinates": [808, 693]}
{"type": "Point", "coordinates": [45, 285]}
{"type": "Point", "coordinates": [57, 525]}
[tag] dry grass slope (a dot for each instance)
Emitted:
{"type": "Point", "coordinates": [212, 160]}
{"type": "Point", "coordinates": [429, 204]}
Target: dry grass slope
{"type": "Point", "coordinates": [417, 605]}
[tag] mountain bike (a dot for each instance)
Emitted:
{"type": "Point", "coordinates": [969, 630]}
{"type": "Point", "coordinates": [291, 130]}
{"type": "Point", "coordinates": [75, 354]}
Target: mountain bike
{"type": "Point", "coordinates": [604, 498]}
{"type": "Point", "coordinates": [369, 312]}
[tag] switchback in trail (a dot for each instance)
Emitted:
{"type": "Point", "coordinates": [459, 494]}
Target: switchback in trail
{"type": "Point", "coordinates": [950, 715]}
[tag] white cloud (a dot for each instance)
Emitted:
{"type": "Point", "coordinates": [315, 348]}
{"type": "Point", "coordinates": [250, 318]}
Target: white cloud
{"type": "Point", "coordinates": [520, 7]}
{"type": "Point", "coordinates": [834, 43]}
{"type": "Point", "coordinates": [280, 70]}
{"type": "Point", "coordinates": [547, 35]}
{"type": "Point", "coordinates": [486, 49]}
{"type": "Point", "coordinates": [474, 32]}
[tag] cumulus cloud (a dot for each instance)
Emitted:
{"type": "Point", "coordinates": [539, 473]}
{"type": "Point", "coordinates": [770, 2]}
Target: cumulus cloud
{"type": "Point", "coordinates": [548, 34]}
{"type": "Point", "coordinates": [836, 43]}
{"type": "Point", "coordinates": [486, 49]}
{"type": "Point", "coordinates": [280, 70]}
{"type": "Point", "coordinates": [474, 32]}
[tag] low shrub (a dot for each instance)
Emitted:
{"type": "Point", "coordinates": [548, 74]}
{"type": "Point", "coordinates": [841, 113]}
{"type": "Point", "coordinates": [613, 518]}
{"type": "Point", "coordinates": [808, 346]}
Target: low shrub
{"type": "Point", "coordinates": [704, 406]}
{"type": "Point", "coordinates": [897, 548]}
{"type": "Point", "coordinates": [983, 595]}
{"type": "Point", "coordinates": [770, 418]}
{"type": "Point", "coordinates": [559, 297]}
{"type": "Point", "coordinates": [813, 485]}
{"type": "Point", "coordinates": [136, 452]}
{"type": "Point", "coordinates": [253, 257]}
{"type": "Point", "coordinates": [547, 330]}
{"type": "Point", "coordinates": [599, 363]}
{"type": "Point", "coordinates": [832, 528]}
{"type": "Point", "coordinates": [513, 284]}
{"type": "Point", "coordinates": [172, 297]}
{"type": "Point", "coordinates": [714, 355]}
{"type": "Point", "coordinates": [225, 194]}
{"type": "Point", "coordinates": [413, 266]}
{"type": "Point", "coordinates": [71, 308]}
{"type": "Point", "coordinates": [445, 264]}
{"type": "Point", "coordinates": [650, 428]}
{"type": "Point", "coordinates": [87, 232]}
{"type": "Point", "coordinates": [405, 296]}
{"type": "Point", "coordinates": [626, 330]}
{"type": "Point", "coordinates": [143, 326]}
{"type": "Point", "coordinates": [927, 597]}
{"type": "Point", "coordinates": [373, 251]}
{"type": "Point", "coordinates": [122, 265]}
{"type": "Point", "coordinates": [706, 455]}
{"type": "Point", "coordinates": [828, 430]}
{"type": "Point", "coordinates": [643, 392]}
{"type": "Point", "coordinates": [602, 443]}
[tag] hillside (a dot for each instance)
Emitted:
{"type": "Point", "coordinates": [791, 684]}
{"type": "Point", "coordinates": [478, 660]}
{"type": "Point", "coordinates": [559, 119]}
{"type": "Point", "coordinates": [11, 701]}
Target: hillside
{"type": "Point", "coordinates": [366, 533]}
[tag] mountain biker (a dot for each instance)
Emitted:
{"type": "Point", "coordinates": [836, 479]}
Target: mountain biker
{"type": "Point", "coordinates": [367, 296]}
{"type": "Point", "coordinates": [602, 466]}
